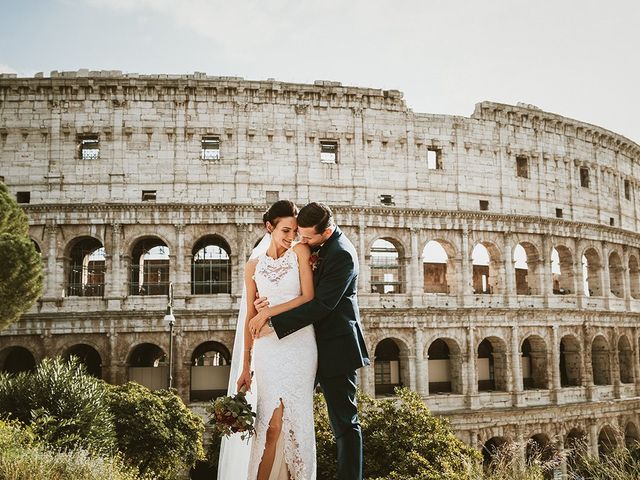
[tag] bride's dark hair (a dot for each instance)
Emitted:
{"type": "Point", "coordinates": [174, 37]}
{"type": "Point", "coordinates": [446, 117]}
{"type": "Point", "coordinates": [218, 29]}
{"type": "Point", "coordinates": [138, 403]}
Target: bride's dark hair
{"type": "Point", "coordinates": [280, 209]}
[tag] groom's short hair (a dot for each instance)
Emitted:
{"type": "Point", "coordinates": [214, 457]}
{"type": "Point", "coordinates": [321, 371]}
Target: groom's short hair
{"type": "Point", "coordinates": [317, 215]}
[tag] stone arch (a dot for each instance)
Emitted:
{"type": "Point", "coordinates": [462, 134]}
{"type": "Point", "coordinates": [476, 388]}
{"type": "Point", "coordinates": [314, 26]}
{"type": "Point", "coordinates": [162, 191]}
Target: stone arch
{"type": "Point", "coordinates": [211, 266]}
{"type": "Point", "coordinates": [526, 258]}
{"type": "Point", "coordinates": [386, 264]}
{"type": "Point", "coordinates": [607, 440]}
{"type": "Point", "coordinates": [634, 276]}
{"type": "Point", "coordinates": [445, 366]}
{"type": "Point", "coordinates": [570, 361]}
{"type": "Point", "coordinates": [16, 359]}
{"type": "Point", "coordinates": [88, 355]}
{"type": "Point", "coordinates": [485, 261]}
{"type": "Point", "coordinates": [150, 267]}
{"type": "Point", "coordinates": [85, 267]}
{"type": "Point", "coordinates": [616, 273]}
{"type": "Point", "coordinates": [36, 244]}
{"type": "Point", "coordinates": [562, 270]}
{"type": "Point", "coordinates": [600, 361]}
{"type": "Point", "coordinates": [625, 360]}
{"type": "Point", "coordinates": [148, 365]}
{"type": "Point", "coordinates": [438, 266]}
{"type": "Point", "coordinates": [492, 365]}
{"type": "Point", "coordinates": [631, 436]}
{"type": "Point", "coordinates": [592, 273]}
{"type": "Point", "coordinates": [390, 365]}
{"type": "Point", "coordinates": [535, 370]}
{"type": "Point", "coordinates": [576, 446]}
{"type": "Point", "coordinates": [492, 449]}
{"type": "Point", "coordinates": [210, 367]}
{"type": "Point", "coordinates": [539, 447]}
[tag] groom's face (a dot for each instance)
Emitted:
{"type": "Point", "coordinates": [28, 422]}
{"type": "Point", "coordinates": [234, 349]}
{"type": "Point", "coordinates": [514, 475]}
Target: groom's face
{"type": "Point", "coordinates": [312, 238]}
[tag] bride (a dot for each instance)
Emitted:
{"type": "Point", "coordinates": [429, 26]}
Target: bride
{"type": "Point", "coordinates": [284, 370]}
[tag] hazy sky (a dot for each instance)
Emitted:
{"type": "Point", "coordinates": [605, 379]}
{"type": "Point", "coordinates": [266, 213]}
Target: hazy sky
{"type": "Point", "coordinates": [576, 58]}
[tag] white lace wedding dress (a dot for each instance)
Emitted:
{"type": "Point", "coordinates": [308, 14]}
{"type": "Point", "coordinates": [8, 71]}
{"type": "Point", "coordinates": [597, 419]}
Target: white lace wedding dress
{"type": "Point", "coordinates": [284, 370]}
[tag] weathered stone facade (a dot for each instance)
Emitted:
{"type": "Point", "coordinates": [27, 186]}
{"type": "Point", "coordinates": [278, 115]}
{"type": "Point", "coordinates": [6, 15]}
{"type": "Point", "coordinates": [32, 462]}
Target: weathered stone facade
{"type": "Point", "coordinates": [548, 351]}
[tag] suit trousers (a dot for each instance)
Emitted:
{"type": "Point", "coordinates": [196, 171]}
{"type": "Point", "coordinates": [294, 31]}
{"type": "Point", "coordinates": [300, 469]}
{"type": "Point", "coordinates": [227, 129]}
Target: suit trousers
{"type": "Point", "coordinates": [340, 394]}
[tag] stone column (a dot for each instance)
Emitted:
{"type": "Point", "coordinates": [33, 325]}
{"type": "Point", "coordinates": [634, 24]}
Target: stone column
{"type": "Point", "coordinates": [422, 372]}
{"type": "Point", "coordinates": [587, 365]}
{"type": "Point", "coordinates": [521, 446]}
{"type": "Point", "coordinates": [605, 277]}
{"type": "Point", "coordinates": [51, 289]}
{"type": "Point", "coordinates": [546, 276]}
{"type": "Point", "coordinates": [471, 374]}
{"type": "Point", "coordinates": [562, 455]}
{"type": "Point", "coordinates": [593, 438]}
{"type": "Point", "coordinates": [516, 368]}
{"type": "Point", "coordinates": [626, 277]}
{"type": "Point", "coordinates": [180, 277]}
{"type": "Point", "coordinates": [509, 272]}
{"type": "Point", "coordinates": [417, 281]}
{"type": "Point", "coordinates": [364, 278]}
{"type": "Point", "coordinates": [636, 359]}
{"type": "Point", "coordinates": [115, 279]}
{"type": "Point", "coordinates": [614, 366]}
{"type": "Point", "coordinates": [465, 278]}
{"type": "Point", "coordinates": [556, 384]}
{"type": "Point", "coordinates": [579, 275]}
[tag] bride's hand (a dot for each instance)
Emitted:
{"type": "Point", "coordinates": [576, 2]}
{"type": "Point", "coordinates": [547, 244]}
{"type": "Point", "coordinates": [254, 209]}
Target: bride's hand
{"type": "Point", "coordinates": [244, 380]}
{"type": "Point", "coordinates": [257, 322]}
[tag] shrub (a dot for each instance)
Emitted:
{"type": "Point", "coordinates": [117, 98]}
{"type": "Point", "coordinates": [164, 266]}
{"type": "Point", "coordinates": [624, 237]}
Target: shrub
{"type": "Point", "coordinates": [402, 440]}
{"type": "Point", "coordinates": [156, 432]}
{"type": "Point", "coordinates": [65, 407]}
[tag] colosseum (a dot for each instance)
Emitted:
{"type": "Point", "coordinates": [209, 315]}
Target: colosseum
{"type": "Point", "coordinates": [499, 253]}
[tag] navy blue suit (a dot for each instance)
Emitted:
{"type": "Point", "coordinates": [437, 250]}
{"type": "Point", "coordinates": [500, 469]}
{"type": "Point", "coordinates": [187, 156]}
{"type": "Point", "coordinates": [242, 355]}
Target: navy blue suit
{"type": "Point", "coordinates": [341, 348]}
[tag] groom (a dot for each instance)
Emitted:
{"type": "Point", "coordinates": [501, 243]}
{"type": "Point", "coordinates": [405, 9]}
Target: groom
{"type": "Point", "coordinates": [334, 314]}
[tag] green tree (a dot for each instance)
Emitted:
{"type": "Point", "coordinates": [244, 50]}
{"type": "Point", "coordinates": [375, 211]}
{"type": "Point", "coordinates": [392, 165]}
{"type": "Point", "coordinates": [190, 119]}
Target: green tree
{"type": "Point", "coordinates": [156, 431]}
{"type": "Point", "coordinates": [20, 264]}
{"type": "Point", "coordinates": [65, 406]}
{"type": "Point", "coordinates": [402, 441]}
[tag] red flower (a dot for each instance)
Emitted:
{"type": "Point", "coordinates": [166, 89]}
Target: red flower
{"type": "Point", "coordinates": [313, 260]}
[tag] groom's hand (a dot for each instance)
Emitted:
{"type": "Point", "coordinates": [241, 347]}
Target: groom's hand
{"type": "Point", "coordinates": [261, 303]}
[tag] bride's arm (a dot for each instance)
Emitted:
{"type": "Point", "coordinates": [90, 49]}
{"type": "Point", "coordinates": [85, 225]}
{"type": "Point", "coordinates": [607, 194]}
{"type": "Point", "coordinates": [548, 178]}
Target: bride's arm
{"type": "Point", "coordinates": [303, 253]}
{"type": "Point", "coordinates": [251, 289]}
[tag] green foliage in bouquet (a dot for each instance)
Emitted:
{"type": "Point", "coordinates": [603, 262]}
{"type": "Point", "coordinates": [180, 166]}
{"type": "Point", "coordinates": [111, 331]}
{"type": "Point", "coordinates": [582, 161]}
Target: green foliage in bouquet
{"type": "Point", "coordinates": [65, 406]}
{"type": "Point", "coordinates": [21, 274]}
{"type": "Point", "coordinates": [155, 430]}
{"type": "Point", "coordinates": [232, 414]}
{"type": "Point", "coordinates": [402, 441]}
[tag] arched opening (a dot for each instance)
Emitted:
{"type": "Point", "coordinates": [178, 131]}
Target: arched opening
{"type": "Point", "coordinates": [88, 356]}
{"type": "Point", "coordinates": [202, 471]}
{"type": "Point", "coordinates": [149, 268]}
{"type": "Point", "coordinates": [211, 267]}
{"type": "Point", "coordinates": [438, 273]}
{"type": "Point", "coordinates": [607, 441]}
{"type": "Point", "coordinates": [600, 364]}
{"type": "Point", "coordinates": [625, 360]}
{"type": "Point", "coordinates": [576, 447]}
{"type": "Point", "coordinates": [632, 437]}
{"type": "Point", "coordinates": [493, 449]}
{"type": "Point", "coordinates": [484, 267]}
{"type": "Point", "coordinates": [591, 270]}
{"type": "Point", "coordinates": [562, 270]}
{"type": "Point", "coordinates": [492, 365]}
{"type": "Point", "coordinates": [148, 366]}
{"type": "Point", "coordinates": [534, 363]}
{"type": "Point", "coordinates": [16, 360]}
{"type": "Point", "coordinates": [445, 367]}
{"type": "Point", "coordinates": [570, 362]}
{"type": "Point", "coordinates": [210, 365]}
{"type": "Point", "coordinates": [526, 260]}
{"type": "Point", "coordinates": [615, 275]}
{"type": "Point", "coordinates": [86, 266]}
{"type": "Point", "coordinates": [387, 367]}
{"type": "Point", "coordinates": [540, 450]}
{"type": "Point", "coordinates": [634, 277]}
{"type": "Point", "coordinates": [387, 276]}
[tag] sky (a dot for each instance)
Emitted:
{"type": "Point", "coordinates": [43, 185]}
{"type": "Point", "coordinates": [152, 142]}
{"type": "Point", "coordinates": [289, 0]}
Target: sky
{"type": "Point", "coordinates": [579, 59]}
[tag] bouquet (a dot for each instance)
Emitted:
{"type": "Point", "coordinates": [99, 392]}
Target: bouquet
{"type": "Point", "coordinates": [232, 414]}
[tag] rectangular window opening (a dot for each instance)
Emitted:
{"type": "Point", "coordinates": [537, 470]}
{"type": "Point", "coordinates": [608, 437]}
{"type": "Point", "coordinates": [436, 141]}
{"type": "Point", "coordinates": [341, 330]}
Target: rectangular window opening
{"type": "Point", "coordinates": [328, 151]}
{"type": "Point", "coordinates": [612, 221]}
{"type": "Point", "coordinates": [558, 213]}
{"type": "Point", "coordinates": [627, 190]}
{"type": "Point", "coordinates": [149, 195]}
{"type": "Point", "coordinates": [210, 148]}
{"type": "Point", "coordinates": [584, 177]}
{"type": "Point", "coordinates": [522, 166]}
{"type": "Point", "coordinates": [89, 147]}
{"type": "Point", "coordinates": [23, 197]}
{"type": "Point", "coordinates": [484, 204]}
{"type": "Point", "coordinates": [386, 199]}
{"type": "Point", "coordinates": [272, 196]}
{"type": "Point", "coordinates": [434, 158]}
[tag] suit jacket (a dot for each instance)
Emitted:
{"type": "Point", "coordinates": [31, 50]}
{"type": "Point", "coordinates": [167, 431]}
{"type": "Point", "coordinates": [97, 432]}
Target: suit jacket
{"type": "Point", "coordinates": [333, 310]}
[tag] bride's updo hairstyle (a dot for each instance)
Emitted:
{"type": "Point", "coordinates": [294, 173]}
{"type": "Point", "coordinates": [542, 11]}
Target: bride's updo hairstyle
{"type": "Point", "coordinates": [280, 209]}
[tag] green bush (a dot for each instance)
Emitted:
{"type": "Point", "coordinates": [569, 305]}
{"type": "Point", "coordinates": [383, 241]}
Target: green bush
{"type": "Point", "coordinates": [156, 431]}
{"type": "Point", "coordinates": [23, 458]}
{"type": "Point", "coordinates": [66, 408]}
{"type": "Point", "coordinates": [402, 441]}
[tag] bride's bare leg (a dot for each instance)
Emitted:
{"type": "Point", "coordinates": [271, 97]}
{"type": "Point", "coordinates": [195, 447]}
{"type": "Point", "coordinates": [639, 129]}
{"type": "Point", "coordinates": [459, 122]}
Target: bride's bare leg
{"type": "Point", "coordinates": [273, 433]}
